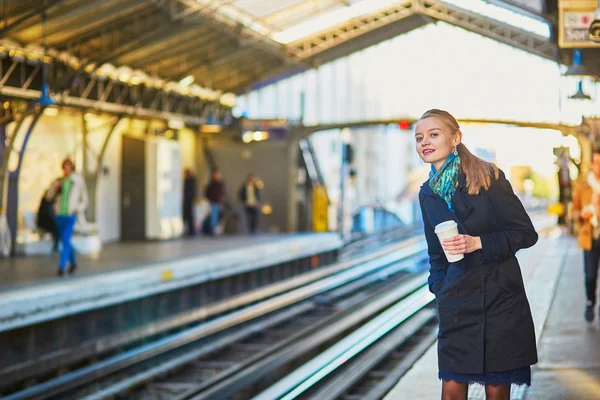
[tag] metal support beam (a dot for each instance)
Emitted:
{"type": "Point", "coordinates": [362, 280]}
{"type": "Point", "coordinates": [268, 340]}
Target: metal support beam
{"type": "Point", "coordinates": [30, 14]}
{"type": "Point", "coordinates": [19, 120]}
{"type": "Point", "coordinates": [34, 120]}
{"type": "Point", "coordinates": [229, 27]}
{"type": "Point", "coordinates": [491, 28]}
{"type": "Point", "coordinates": [189, 49]}
{"type": "Point", "coordinates": [145, 39]}
{"type": "Point", "coordinates": [293, 147]}
{"type": "Point", "coordinates": [300, 132]}
{"type": "Point", "coordinates": [313, 45]}
{"type": "Point", "coordinates": [73, 28]}
{"type": "Point", "coordinates": [6, 237]}
{"type": "Point", "coordinates": [293, 14]}
{"type": "Point", "coordinates": [214, 62]}
{"type": "Point", "coordinates": [93, 179]}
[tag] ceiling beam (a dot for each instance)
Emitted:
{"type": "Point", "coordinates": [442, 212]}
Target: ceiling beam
{"type": "Point", "coordinates": [144, 39]}
{"type": "Point", "coordinates": [189, 49]}
{"type": "Point", "coordinates": [261, 72]}
{"type": "Point", "coordinates": [290, 15]}
{"type": "Point", "coordinates": [491, 28]}
{"type": "Point", "coordinates": [62, 17]}
{"type": "Point", "coordinates": [314, 44]}
{"type": "Point", "coordinates": [233, 29]}
{"type": "Point", "coordinates": [36, 11]}
{"type": "Point", "coordinates": [520, 9]}
{"type": "Point", "coordinates": [214, 61]}
{"type": "Point", "coordinates": [124, 23]}
{"type": "Point", "coordinates": [319, 42]}
{"type": "Point", "coordinates": [98, 20]}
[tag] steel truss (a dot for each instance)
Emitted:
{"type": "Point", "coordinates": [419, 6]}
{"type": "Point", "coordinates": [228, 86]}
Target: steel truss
{"type": "Point", "coordinates": [519, 38]}
{"type": "Point", "coordinates": [22, 78]}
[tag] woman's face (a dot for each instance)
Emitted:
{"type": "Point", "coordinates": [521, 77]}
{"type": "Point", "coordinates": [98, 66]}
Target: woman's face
{"type": "Point", "coordinates": [67, 169]}
{"type": "Point", "coordinates": [434, 141]}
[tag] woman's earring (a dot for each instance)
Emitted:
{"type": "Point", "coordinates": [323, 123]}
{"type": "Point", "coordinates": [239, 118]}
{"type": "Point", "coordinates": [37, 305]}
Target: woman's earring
{"type": "Point", "coordinates": [455, 150]}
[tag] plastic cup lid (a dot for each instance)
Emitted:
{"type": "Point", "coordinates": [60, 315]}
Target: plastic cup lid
{"type": "Point", "coordinates": [444, 226]}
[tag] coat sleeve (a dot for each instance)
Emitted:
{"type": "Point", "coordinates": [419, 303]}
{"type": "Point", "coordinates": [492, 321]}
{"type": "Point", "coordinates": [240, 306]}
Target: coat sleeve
{"type": "Point", "coordinates": [438, 263]}
{"type": "Point", "coordinates": [518, 231]}
{"type": "Point", "coordinates": [84, 199]}
{"type": "Point", "coordinates": [51, 192]}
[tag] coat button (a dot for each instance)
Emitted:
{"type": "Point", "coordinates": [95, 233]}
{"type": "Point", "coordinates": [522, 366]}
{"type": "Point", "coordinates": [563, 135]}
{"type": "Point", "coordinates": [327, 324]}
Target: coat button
{"type": "Point", "coordinates": [479, 289]}
{"type": "Point", "coordinates": [480, 319]}
{"type": "Point", "coordinates": [455, 319]}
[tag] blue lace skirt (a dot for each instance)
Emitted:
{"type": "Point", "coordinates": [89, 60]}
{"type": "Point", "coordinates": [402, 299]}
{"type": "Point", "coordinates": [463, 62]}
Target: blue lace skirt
{"type": "Point", "coordinates": [519, 376]}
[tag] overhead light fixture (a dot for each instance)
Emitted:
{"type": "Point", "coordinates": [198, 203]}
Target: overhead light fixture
{"type": "Point", "coordinates": [210, 128]}
{"type": "Point", "coordinates": [247, 137]}
{"type": "Point", "coordinates": [89, 116]}
{"type": "Point", "coordinates": [577, 68]}
{"type": "Point", "coordinates": [51, 111]}
{"type": "Point", "coordinates": [187, 81]}
{"type": "Point", "coordinates": [176, 124]}
{"type": "Point", "coordinates": [580, 95]}
{"type": "Point", "coordinates": [260, 135]}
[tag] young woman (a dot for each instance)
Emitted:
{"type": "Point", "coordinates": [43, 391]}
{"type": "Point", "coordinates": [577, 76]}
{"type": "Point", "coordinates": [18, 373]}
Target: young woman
{"type": "Point", "coordinates": [486, 332]}
{"type": "Point", "coordinates": [70, 197]}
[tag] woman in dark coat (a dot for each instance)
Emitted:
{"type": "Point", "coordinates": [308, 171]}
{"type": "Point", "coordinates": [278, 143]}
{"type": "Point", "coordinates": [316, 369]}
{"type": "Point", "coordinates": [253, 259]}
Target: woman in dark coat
{"type": "Point", "coordinates": [486, 332]}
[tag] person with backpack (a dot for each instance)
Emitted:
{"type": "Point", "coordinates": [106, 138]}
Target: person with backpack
{"type": "Point", "coordinates": [69, 194]}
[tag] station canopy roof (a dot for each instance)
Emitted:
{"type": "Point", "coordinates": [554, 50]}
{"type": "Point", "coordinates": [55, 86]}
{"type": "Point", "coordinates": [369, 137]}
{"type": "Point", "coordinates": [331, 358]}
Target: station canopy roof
{"type": "Point", "coordinates": [229, 45]}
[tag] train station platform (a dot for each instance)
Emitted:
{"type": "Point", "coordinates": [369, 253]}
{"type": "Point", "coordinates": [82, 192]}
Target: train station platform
{"type": "Point", "coordinates": [568, 346]}
{"type": "Point", "coordinates": [30, 291]}
{"type": "Point", "coordinates": [27, 270]}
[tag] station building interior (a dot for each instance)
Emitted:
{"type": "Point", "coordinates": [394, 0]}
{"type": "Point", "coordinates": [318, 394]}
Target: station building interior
{"type": "Point", "coordinates": [249, 225]}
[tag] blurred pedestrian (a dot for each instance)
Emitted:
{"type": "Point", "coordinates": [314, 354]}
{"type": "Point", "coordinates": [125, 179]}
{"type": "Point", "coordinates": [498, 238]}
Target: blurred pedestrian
{"type": "Point", "coordinates": [215, 193]}
{"type": "Point", "coordinates": [189, 196]}
{"type": "Point", "coordinates": [586, 214]}
{"type": "Point", "coordinates": [486, 332]}
{"type": "Point", "coordinates": [70, 197]}
{"type": "Point", "coordinates": [46, 220]}
{"type": "Point", "coordinates": [249, 195]}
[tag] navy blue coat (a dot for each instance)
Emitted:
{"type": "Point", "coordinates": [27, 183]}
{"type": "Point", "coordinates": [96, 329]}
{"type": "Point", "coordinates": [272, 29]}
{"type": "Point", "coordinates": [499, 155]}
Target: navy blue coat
{"type": "Point", "coordinates": [485, 322]}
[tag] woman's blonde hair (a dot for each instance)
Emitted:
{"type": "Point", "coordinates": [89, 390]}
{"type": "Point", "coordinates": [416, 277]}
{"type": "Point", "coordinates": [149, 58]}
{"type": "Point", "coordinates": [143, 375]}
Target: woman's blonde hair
{"type": "Point", "coordinates": [479, 172]}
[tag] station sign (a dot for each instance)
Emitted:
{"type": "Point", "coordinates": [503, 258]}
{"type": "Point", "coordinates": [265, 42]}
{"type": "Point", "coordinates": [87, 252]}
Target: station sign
{"type": "Point", "coordinates": [574, 19]}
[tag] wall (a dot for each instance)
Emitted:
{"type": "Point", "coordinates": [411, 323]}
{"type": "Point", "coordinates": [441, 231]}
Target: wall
{"type": "Point", "coordinates": [269, 161]}
{"type": "Point", "coordinates": [56, 137]}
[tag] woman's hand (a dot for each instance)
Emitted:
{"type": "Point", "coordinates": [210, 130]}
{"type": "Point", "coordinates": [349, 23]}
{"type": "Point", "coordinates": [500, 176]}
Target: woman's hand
{"type": "Point", "coordinates": [462, 244]}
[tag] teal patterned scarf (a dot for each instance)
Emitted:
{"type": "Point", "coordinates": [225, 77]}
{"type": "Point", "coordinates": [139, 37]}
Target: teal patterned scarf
{"type": "Point", "coordinates": [443, 182]}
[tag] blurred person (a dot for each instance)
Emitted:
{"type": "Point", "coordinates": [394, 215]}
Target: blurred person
{"type": "Point", "coordinates": [215, 193]}
{"type": "Point", "coordinates": [46, 220]}
{"type": "Point", "coordinates": [70, 197]}
{"type": "Point", "coordinates": [189, 196]}
{"type": "Point", "coordinates": [586, 206]}
{"type": "Point", "coordinates": [486, 333]}
{"type": "Point", "coordinates": [249, 195]}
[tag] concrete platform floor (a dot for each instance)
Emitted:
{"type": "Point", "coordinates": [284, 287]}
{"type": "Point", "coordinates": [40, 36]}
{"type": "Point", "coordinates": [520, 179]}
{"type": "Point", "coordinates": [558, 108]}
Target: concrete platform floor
{"type": "Point", "coordinates": [25, 271]}
{"type": "Point", "coordinates": [568, 346]}
{"type": "Point", "coordinates": [569, 350]}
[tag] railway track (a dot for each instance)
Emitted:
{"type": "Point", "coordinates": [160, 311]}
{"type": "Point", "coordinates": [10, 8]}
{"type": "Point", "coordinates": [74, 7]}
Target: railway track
{"type": "Point", "coordinates": [349, 333]}
{"type": "Point", "coordinates": [304, 306]}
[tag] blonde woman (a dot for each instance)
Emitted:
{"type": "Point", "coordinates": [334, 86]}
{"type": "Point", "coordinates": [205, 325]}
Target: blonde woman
{"type": "Point", "coordinates": [486, 332]}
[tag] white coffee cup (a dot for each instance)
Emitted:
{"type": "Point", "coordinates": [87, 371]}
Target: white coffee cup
{"type": "Point", "coordinates": [445, 230]}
